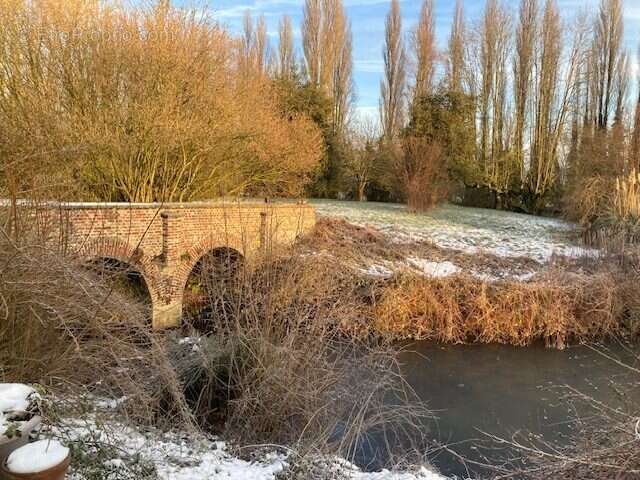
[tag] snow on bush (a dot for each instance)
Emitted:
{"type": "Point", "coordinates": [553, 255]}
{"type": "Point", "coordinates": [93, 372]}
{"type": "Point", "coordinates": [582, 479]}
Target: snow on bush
{"type": "Point", "coordinates": [15, 397]}
{"type": "Point", "coordinates": [37, 457]}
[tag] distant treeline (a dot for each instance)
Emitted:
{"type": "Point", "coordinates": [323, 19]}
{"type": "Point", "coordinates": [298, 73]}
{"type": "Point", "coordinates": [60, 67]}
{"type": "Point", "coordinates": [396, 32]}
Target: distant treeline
{"type": "Point", "coordinates": [521, 110]}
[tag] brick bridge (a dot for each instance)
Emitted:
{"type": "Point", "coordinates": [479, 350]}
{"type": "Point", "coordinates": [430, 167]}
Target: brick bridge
{"type": "Point", "coordinates": [164, 242]}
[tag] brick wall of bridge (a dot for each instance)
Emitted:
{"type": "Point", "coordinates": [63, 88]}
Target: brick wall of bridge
{"type": "Point", "coordinates": [164, 242]}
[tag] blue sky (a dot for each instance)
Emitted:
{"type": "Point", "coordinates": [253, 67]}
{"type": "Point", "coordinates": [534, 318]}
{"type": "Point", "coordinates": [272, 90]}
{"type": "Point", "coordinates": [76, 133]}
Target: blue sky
{"type": "Point", "coordinates": [367, 19]}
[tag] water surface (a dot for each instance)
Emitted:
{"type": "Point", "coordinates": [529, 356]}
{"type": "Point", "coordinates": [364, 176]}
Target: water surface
{"type": "Point", "coordinates": [500, 390]}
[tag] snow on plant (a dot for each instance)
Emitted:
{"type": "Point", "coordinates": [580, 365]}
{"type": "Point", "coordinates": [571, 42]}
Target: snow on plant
{"type": "Point", "coordinates": [16, 402]}
{"type": "Point", "coordinates": [15, 397]}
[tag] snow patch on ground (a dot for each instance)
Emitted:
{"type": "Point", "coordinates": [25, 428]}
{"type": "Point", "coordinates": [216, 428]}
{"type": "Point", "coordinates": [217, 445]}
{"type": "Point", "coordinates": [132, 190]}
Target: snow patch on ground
{"type": "Point", "coordinates": [440, 269]}
{"type": "Point", "coordinates": [434, 269]}
{"type": "Point", "coordinates": [471, 230]}
{"type": "Point", "coordinates": [179, 456]}
{"type": "Point", "coordinates": [377, 270]}
{"type": "Point", "coordinates": [37, 457]}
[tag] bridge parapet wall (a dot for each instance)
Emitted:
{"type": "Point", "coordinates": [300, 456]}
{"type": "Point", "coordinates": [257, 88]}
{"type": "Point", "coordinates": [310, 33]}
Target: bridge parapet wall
{"type": "Point", "coordinates": [165, 241]}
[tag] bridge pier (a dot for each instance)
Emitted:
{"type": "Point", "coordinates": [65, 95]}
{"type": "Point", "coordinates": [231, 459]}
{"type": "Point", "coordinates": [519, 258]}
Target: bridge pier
{"type": "Point", "coordinates": [166, 316]}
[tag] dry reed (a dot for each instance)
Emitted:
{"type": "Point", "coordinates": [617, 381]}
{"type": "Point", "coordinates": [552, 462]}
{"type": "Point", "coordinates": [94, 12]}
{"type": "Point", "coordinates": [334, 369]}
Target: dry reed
{"type": "Point", "coordinates": [557, 309]}
{"type": "Point", "coordinates": [296, 369]}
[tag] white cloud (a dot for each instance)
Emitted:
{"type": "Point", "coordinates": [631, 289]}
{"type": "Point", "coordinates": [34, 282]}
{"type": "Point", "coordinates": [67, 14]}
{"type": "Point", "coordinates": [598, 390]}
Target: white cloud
{"type": "Point", "coordinates": [369, 66]}
{"type": "Point", "coordinates": [367, 112]}
{"type": "Point", "coordinates": [632, 12]}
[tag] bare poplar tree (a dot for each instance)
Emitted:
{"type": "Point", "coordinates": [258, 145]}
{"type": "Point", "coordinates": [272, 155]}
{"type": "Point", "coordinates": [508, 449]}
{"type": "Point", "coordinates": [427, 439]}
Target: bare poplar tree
{"type": "Point", "coordinates": [621, 87]}
{"type": "Point", "coordinates": [455, 61]}
{"type": "Point", "coordinates": [635, 140]}
{"type": "Point", "coordinates": [311, 38]}
{"type": "Point", "coordinates": [254, 46]}
{"type": "Point", "coordinates": [342, 82]}
{"type": "Point", "coordinates": [247, 46]}
{"type": "Point", "coordinates": [556, 85]}
{"type": "Point", "coordinates": [392, 86]}
{"type": "Point", "coordinates": [609, 32]}
{"type": "Point", "coordinates": [542, 167]}
{"type": "Point", "coordinates": [327, 43]}
{"type": "Point", "coordinates": [286, 53]}
{"type": "Point", "coordinates": [526, 35]}
{"type": "Point", "coordinates": [337, 61]}
{"type": "Point", "coordinates": [261, 46]}
{"type": "Point", "coordinates": [424, 47]}
{"type": "Point", "coordinates": [495, 46]}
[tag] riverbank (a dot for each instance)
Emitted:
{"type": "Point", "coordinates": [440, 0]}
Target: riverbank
{"type": "Point", "coordinates": [419, 289]}
{"type": "Point", "coordinates": [104, 445]}
{"type": "Point", "coordinates": [274, 353]}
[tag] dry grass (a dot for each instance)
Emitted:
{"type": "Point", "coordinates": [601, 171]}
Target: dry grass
{"type": "Point", "coordinates": [557, 309]}
{"type": "Point", "coordinates": [571, 301]}
{"type": "Point", "coordinates": [609, 211]}
{"type": "Point", "coordinates": [64, 327]}
{"type": "Point", "coordinates": [297, 370]}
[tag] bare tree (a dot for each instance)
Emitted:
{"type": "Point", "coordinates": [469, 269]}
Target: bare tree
{"type": "Point", "coordinates": [246, 46]}
{"type": "Point", "coordinates": [362, 161]}
{"type": "Point", "coordinates": [337, 67]}
{"type": "Point", "coordinates": [556, 84]}
{"type": "Point", "coordinates": [456, 57]}
{"type": "Point", "coordinates": [635, 140]}
{"type": "Point", "coordinates": [542, 167]}
{"type": "Point", "coordinates": [261, 47]}
{"type": "Point", "coordinates": [392, 86]}
{"type": "Point", "coordinates": [254, 47]}
{"type": "Point", "coordinates": [424, 47]}
{"type": "Point", "coordinates": [311, 36]}
{"type": "Point", "coordinates": [621, 87]}
{"type": "Point", "coordinates": [526, 35]}
{"type": "Point", "coordinates": [609, 33]}
{"type": "Point", "coordinates": [494, 53]}
{"type": "Point", "coordinates": [327, 44]}
{"type": "Point", "coordinates": [286, 53]}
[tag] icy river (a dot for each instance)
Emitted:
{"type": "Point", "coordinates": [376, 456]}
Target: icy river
{"type": "Point", "coordinates": [478, 391]}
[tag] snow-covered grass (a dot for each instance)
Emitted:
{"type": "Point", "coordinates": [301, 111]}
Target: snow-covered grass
{"type": "Point", "coordinates": [470, 230]}
{"type": "Point", "coordinates": [440, 269]}
{"type": "Point", "coordinates": [124, 452]}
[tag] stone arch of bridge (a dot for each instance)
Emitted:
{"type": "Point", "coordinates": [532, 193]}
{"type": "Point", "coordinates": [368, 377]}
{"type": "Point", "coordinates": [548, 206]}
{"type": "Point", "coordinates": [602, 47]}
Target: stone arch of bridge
{"type": "Point", "coordinates": [200, 250]}
{"type": "Point", "coordinates": [113, 248]}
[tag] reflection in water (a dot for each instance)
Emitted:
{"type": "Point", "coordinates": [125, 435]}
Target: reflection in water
{"type": "Point", "coordinates": [499, 390]}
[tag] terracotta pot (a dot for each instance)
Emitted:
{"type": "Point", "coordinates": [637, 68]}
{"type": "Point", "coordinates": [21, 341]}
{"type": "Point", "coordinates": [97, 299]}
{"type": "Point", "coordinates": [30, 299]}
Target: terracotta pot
{"type": "Point", "coordinates": [8, 445]}
{"type": "Point", "coordinates": [54, 473]}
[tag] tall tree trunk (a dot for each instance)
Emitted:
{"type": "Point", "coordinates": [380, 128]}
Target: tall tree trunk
{"type": "Point", "coordinates": [456, 60]}
{"type": "Point", "coordinates": [523, 69]}
{"type": "Point", "coordinates": [424, 46]}
{"type": "Point", "coordinates": [392, 87]}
